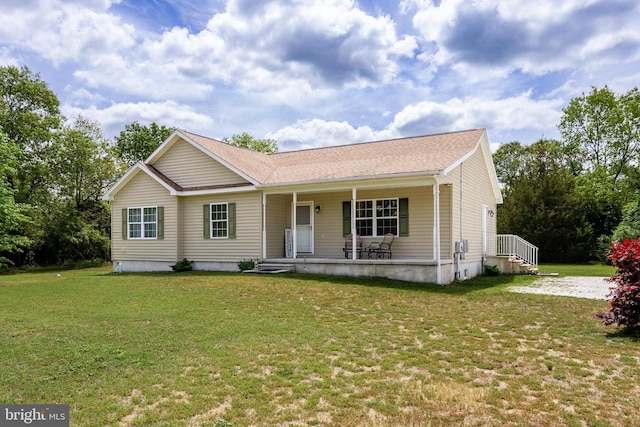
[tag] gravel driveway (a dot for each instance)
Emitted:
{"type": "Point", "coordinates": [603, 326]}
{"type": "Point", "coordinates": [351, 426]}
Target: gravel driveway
{"type": "Point", "coordinates": [580, 287]}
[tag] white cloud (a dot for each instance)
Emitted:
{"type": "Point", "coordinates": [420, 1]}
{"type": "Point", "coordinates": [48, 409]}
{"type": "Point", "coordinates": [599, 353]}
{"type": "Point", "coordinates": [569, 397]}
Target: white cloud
{"type": "Point", "coordinates": [114, 118]}
{"type": "Point", "coordinates": [67, 31]}
{"type": "Point", "coordinates": [280, 49]}
{"type": "Point", "coordinates": [428, 117]}
{"type": "Point", "coordinates": [319, 133]}
{"type": "Point", "coordinates": [559, 35]}
{"type": "Point", "coordinates": [513, 113]}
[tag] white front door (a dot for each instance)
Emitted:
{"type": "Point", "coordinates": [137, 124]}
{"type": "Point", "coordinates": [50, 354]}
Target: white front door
{"type": "Point", "coordinates": [304, 227]}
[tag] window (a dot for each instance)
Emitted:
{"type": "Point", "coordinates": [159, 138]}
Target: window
{"type": "Point", "coordinates": [143, 223]}
{"type": "Point", "coordinates": [377, 217]}
{"type": "Point", "coordinates": [219, 220]}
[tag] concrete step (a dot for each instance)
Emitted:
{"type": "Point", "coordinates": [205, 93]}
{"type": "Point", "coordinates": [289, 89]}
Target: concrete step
{"type": "Point", "coordinates": [272, 268]}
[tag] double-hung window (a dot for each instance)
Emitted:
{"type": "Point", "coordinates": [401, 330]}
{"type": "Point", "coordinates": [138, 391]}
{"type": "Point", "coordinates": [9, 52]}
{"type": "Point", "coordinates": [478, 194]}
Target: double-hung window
{"type": "Point", "coordinates": [220, 220]}
{"type": "Point", "coordinates": [377, 217]}
{"type": "Point", "coordinates": [142, 223]}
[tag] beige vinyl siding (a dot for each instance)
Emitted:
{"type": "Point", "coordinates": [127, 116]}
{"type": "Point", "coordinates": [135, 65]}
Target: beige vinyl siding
{"type": "Point", "coordinates": [276, 224]}
{"type": "Point", "coordinates": [143, 191]}
{"type": "Point", "coordinates": [473, 179]}
{"type": "Point", "coordinates": [446, 230]}
{"type": "Point", "coordinates": [328, 237]}
{"type": "Point", "coordinates": [248, 242]}
{"type": "Point", "coordinates": [190, 167]}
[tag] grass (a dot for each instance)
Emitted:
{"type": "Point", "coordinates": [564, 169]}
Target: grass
{"type": "Point", "coordinates": [228, 349]}
{"type": "Point", "coordinates": [591, 269]}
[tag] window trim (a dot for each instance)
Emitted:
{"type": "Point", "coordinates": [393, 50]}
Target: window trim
{"type": "Point", "coordinates": [375, 218]}
{"type": "Point", "coordinates": [226, 221]}
{"type": "Point", "coordinates": [142, 223]}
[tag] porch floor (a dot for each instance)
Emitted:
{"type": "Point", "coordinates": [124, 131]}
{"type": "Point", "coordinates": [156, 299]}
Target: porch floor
{"type": "Point", "coordinates": [407, 269]}
{"type": "Point", "coordinates": [342, 260]}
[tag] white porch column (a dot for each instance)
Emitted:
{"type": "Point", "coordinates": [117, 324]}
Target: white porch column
{"type": "Point", "coordinates": [436, 230]}
{"type": "Point", "coordinates": [264, 226]}
{"type": "Point", "coordinates": [353, 223]}
{"type": "Point", "coordinates": [294, 227]}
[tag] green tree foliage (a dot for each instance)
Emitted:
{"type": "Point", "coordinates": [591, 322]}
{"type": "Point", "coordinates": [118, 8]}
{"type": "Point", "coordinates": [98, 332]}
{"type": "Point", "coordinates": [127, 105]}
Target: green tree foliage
{"type": "Point", "coordinates": [76, 226]}
{"type": "Point", "coordinates": [136, 142]}
{"type": "Point", "coordinates": [541, 204]}
{"type": "Point", "coordinates": [629, 227]}
{"type": "Point", "coordinates": [12, 214]}
{"type": "Point", "coordinates": [602, 131]}
{"type": "Point", "coordinates": [601, 139]}
{"type": "Point", "coordinates": [84, 165]}
{"type": "Point", "coordinates": [29, 116]}
{"type": "Point", "coordinates": [245, 140]}
{"type": "Point", "coordinates": [509, 160]}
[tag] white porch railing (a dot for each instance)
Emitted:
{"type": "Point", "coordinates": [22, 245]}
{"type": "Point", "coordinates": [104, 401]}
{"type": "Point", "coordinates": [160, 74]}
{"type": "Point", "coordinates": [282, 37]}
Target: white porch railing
{"type": "Point", "coordinates": [516, 247]}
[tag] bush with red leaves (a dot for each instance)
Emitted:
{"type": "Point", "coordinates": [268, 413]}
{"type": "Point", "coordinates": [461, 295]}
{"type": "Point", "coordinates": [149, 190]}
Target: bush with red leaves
{"type": "Point", "coordinates": [624, 307]}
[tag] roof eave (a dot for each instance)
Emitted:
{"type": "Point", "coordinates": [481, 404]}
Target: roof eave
{"type": "Point", "coordinates": [354, 179]}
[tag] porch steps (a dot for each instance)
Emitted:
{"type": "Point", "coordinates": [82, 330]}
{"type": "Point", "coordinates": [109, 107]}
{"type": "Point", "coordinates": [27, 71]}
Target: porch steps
{"type": "Point", "coordinates": [272, 268]}
{"type": "Point", "coordinates": [521, 267]}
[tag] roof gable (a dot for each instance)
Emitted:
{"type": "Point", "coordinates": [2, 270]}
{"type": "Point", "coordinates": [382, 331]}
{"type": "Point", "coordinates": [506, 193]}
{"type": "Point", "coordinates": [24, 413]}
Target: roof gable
{"type": "Point", "coordinates": [139, 167]}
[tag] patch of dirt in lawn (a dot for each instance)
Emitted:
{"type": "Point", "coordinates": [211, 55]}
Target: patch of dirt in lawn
{"type": "Point", "coordinates": [571, 286]}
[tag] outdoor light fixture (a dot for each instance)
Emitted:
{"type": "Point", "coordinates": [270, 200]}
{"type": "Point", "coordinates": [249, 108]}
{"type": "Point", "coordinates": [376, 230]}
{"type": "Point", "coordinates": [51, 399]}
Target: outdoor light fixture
{"type": "Point", "coordinates": [318, 209]}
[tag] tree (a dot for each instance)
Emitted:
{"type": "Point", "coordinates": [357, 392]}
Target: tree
{"type": "Point", "coordinates": [84, 165]}
{"type": "Point", "coordinates": [629, 227]}
{"type": "Point", "coordinates": [509, 160]}
{"type": "Point", "coordinates": [76, 225]}
{"type": "Point", "coordinates": [541, 205]}
{"type": "Point", "coordinates": [602, 131]}
{"type": "Point", "coordinates": [29, 116]}
{"type": "Point", "coordinates": [136, 142]}
{"type": "Point", "coordinates": [601, 139]}
{"type": "Point", "coordinates": [12, 215]}
{"type": "Point", "coordinates": [245, 140]}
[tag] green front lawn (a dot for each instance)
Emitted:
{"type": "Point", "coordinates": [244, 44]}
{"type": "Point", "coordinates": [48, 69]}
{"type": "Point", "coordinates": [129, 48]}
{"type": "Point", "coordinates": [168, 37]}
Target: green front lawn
{"type": "Point", "coordinates": [591, 269]}
{"type": "Point", "coordinates": [231, 349]}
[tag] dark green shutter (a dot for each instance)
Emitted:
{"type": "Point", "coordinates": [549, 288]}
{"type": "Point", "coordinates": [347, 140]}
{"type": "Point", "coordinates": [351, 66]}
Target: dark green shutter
{"type": "Point", "coordinates": [206, 221]}
{"type": "Point", "coordinates": [160, 224]}
{"type": "Point", "coordinates": [231, 214]}
{"type": "Point", "coordinates": [404, 217]}
{"type": "Point", "coordinates": [346, 218]}
{"type": "Point", "coordinates": [125, 223]}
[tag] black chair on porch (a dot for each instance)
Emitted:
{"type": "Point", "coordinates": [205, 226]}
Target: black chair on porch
{"type": "Point", "coordinates": [348, 245]}
{"type": "Point", "coordinates": [381, 249]}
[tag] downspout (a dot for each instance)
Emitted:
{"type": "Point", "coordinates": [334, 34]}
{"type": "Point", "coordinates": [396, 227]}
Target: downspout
{"type": "Point", "coordinates": [353, 223]}
{"type": "Point", "coordinates": [436, 226]}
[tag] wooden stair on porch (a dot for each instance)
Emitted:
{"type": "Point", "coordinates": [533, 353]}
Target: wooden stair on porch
{"type": "Point", "coordinates": [521, 267]}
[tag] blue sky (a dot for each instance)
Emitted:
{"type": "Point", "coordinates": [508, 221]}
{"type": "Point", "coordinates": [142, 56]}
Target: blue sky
{"type": "Point", "coordinates": [311, 73]}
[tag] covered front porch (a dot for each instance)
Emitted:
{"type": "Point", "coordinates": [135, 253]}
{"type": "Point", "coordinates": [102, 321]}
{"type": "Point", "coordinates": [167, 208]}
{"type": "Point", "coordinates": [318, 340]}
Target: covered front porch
{"type": "Point", "coordinates": [306, 228]}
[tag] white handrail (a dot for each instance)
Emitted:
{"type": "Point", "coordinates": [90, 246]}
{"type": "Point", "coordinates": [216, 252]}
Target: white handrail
{"type": "Point", "coordinates": [516, 247]}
